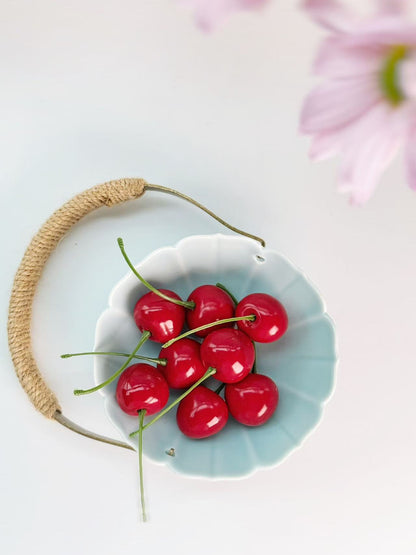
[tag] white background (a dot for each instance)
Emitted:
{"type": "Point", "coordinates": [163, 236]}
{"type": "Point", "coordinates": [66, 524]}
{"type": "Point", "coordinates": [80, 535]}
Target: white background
{"type": "Point", "coordinates": [92, 91]}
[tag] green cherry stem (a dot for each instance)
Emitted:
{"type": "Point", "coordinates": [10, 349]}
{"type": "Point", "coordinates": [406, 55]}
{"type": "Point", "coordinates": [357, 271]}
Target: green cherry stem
{"type": "Point", "coordinates": [221, 286]}
{"type": "Point", "coordinates": [250, 318]}
{"type": "Point", "coordinates": [142, 412]}
{"type": "Point", "coordinates": [208, 373]}
{"type": "Point", "coordinates": [161, 361]}
{"type": "Point", "coordinates": [143, 339]}
{"type": "Point", "coordinates": [187, 304]}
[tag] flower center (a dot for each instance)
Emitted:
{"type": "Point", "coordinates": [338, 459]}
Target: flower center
{"type": "Point", "coordinates": [389, 76]}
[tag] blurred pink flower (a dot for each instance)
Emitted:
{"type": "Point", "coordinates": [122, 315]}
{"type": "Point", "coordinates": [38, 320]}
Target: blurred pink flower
{"type": "Point", "coordinates": [208, 13]}
{"type": "Point", "coordinates": [366, 109]}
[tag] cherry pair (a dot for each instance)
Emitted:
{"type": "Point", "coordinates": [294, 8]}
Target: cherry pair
{"type": "Point", "coordinates": [251, 402]}
{"type": "Point", "coordinates": [229, 351]}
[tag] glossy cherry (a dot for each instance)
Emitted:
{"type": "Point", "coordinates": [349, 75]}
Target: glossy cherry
{"type": "Point", "coordinates": [163, 319]}
{"type": "Point", "coordinates": [202, 413]}
{"type": "Point", "coordinates": [271, 319]}
{"type": "Point", "coordinates": [142, 386]}
{"type": "Point", "coordinates": [183, 365]}
{"type": "Point", "coordinates": [253, 400]}
{"type": "Point", "coordinates": [211, 304]}
{"type": "Point", "coordinates": [231, 352]}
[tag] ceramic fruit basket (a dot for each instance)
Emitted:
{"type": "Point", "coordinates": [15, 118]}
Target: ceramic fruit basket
{"type": "Point", "coordinates": [297, 364]}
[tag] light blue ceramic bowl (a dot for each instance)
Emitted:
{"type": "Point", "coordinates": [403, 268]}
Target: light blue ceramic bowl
{"type": "Point", "coordinates": [302, 363]}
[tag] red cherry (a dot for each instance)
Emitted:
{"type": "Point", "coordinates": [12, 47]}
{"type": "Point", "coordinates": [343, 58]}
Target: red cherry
{"type": "Point", "coordinates": [183, 363]}
{"type": "Point", "coordinates": [230, 352]}
{"type": "Point", "coordinates": [211, 304]}
{"type": "Point", "coordinates": [142, 386]}
{"type": "Point", "coordinates": [253, 400]}
{"type": "Point", "coordinates": [271, 319]}
{"type": "Point", "coordinates": [163, 319]}
{"type": "Point", "coordinates": [202, 413]}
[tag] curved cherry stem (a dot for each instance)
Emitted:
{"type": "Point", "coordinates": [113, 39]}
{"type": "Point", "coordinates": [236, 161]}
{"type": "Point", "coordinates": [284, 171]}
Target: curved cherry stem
{"type": "Point", "coordinates": [250, 318]}
{"type": "Point", "coordinates": [161, 361]}
{"type": "Point", "coordinates": [208, 373]}
{"type": "Point", "coordinates": [187, 304]}
{"type": "Point", "coordinates": [143, 340]}
{"type": "Point", "coordinates": [142, 412]}
{"type": "Point", "coordinates": [221, 286]}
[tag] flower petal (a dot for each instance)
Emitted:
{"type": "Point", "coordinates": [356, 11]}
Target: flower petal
{"type": "Point", "coordinates": [330, 14]}
{"type": "Point", "coordinates": [338, 59]}
{"type": "Point", "coordinates": [325, 145]}
{"type": "Point", "coordinates": [337, 103]}
{"type": "Point", "coordinates": [369, 148]}
{"type": "Point", "coordinates": [410, 157]}
{"type": "Point", "coordinates": [383, 30]}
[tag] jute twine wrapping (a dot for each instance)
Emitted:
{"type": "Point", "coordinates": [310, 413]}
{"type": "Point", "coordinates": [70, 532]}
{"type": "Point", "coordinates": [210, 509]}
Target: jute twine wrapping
{"type": "Point", "coordinates": [29, 273]}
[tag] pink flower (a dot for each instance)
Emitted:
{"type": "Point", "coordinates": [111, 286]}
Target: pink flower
{"type": "Point", "coordinates": [208, 13]}
{"type": "Point", "coordinates": [366, 109]}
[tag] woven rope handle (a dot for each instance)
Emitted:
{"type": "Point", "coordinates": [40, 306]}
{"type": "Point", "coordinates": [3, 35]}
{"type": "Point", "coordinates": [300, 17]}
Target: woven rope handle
{"type": "Point", "coordinates": [30, 270]}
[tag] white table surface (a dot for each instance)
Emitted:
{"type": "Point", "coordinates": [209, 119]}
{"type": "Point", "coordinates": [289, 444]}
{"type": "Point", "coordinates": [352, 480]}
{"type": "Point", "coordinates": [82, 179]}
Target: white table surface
{"type": "Point", "coordinates": [97, 90]}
